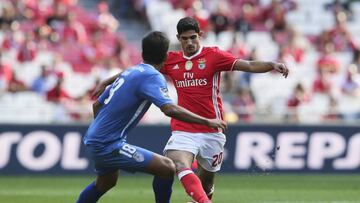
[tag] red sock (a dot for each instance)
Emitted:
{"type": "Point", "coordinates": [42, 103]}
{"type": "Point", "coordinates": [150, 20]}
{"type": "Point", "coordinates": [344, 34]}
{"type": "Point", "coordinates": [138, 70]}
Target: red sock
{"type": "Point", "coordinates": [192, 185]}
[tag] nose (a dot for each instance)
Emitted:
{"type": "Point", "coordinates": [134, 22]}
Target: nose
{"type": "Point", "coordinates": [188, 41]}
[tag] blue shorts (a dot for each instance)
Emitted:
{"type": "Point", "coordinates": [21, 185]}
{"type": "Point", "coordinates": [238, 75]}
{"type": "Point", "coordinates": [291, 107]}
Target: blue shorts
{"type": "Point", "coordinates": [119, 155]}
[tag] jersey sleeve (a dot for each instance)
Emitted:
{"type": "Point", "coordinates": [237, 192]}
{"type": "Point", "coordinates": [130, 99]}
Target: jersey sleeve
{"type": "Point", "coordinates": [104, 95]}
{"type": "Point", "coordinates": [169, 63]}
{"type": "Point", "coordinates": [224, 61]}
{"type": "Point", "coordinates": [164, 70]}
{"type": "Point", "coordinates": [155, 90]}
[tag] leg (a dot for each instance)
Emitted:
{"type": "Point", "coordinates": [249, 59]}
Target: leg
{"type": "Point", "coordinates": [163, 170]}
{"type": "Point", "coordinates": [162, 189]}
{"type": "Point", "coordinates": [95, 190]}
{"type": "Point", "coordinates": [133, 158]}
{"type": "Point", "coordinates": [105, 182]}
{"type": "Point", "coordinates": [181, 159]}
{"type": "Point", "coordinates": [210, 160]}
{"type": "Point", "coordinates": [161, 167]}
{"type": "Point", "coordinates": [207, 180]}
{"type": "Point", "coordinates": [189, 180]}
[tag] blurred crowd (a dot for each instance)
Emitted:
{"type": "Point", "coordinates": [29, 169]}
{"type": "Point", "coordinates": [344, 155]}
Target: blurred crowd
{"type": "Point", "coordinates": [65, 34]}
{"type": "Point", "coordinates": [334, 79]}
{"type": "Point", "coordinates": [44, 43]}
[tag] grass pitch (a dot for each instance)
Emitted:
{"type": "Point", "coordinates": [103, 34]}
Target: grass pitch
{"type": "Point", "coordinates": [246, 188]}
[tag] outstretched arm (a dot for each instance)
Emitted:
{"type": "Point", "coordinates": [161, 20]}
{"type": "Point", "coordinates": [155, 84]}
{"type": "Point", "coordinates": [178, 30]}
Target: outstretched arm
{"type": "Point", "coordinates": [261, 67]}
{"type": "Point", "coordinates": [185, 115]}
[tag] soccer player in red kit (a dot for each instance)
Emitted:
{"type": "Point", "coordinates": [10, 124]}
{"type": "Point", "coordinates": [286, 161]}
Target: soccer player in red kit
{"type": "Point", "coordinates": [195, 72]}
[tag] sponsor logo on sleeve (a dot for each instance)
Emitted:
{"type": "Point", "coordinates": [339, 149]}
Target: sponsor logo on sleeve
{"type": "Point", "coordinates": [165, 92]}
{"type": "Point", "coordinates": [139, 157]}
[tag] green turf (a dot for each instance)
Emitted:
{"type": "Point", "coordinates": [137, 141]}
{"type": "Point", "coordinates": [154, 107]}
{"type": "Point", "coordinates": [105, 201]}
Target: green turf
{"type": "Point", "coordinates": [229, 189]}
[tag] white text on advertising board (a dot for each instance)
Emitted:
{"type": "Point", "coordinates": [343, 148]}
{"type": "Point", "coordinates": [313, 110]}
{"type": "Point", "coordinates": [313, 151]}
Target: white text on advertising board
{"type": "Point", "coordinates": [65, 152]}
{"type": "Point", "coordinates": [297, 150]}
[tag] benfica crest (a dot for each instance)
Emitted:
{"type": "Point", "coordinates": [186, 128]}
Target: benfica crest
{"type": "Point", "coordinates": [201, 63]}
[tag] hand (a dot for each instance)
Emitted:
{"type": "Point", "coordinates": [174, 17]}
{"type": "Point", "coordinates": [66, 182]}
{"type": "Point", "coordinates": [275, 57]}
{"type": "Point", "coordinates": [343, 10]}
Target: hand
{"type": "Point", "coordinates": [98, 90]}
{"type": "Point", "coordinates": [281, 68]}
{"type": "Point", "coordinates": [217, 123]}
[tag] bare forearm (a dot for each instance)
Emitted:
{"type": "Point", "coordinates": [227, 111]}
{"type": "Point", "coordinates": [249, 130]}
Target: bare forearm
{"type": "Point", "coordinates": [261, 66]}
{"type": "Point", "coordinates": [183, 114]}
{"type": "Point", "coordinates": [254, 66]}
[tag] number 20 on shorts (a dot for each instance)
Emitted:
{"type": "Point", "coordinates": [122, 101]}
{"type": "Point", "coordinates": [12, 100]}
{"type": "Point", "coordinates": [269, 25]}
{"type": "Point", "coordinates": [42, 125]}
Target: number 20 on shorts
{"type": "Point", "coordinates": [217, 159]}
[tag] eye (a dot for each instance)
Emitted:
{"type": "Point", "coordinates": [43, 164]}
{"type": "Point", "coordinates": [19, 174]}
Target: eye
{"type": "Point", "coordinates": [192, 37]}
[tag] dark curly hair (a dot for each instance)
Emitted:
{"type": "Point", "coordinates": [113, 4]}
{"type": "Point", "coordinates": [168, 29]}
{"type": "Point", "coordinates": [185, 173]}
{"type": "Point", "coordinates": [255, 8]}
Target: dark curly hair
{"type": "Point", "coordinates": [186, 24]}
{"type": "Point", "coordinates": [154, 47]}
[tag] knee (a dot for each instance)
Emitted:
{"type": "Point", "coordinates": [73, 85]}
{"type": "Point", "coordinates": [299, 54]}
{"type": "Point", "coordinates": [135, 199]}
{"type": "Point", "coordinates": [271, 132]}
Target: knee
{"type": "Point", "coordinates": [170, 168]}
{"type": "Point", "coordinates": [181, 159]}
{"type": "Point", "coordinates": [104, 186]}
{"type": "Point", "coordinates": [112, 184]}
{"type": "Point", "coordinates": [180, 165]}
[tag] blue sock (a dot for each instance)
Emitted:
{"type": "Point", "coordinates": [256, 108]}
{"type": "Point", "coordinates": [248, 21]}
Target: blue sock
{"type": "Point", "coordinates": [162, 189]}
{"type": "Point", "coordinates": [90, 194]}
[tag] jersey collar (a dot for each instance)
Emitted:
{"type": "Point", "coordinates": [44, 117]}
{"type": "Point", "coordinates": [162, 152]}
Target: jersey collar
{"type": "Point", "coordinates": [196, 54]}
{"type": "Point", "coordinates": [146, 64]}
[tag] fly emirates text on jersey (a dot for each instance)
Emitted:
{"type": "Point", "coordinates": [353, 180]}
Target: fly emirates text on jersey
{"type": "Point", "coordinates": [190, 81]}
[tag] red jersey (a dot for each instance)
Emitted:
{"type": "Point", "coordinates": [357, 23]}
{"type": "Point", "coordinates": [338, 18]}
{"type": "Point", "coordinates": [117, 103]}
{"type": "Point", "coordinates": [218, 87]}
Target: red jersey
{"type": "Point", "coordinates": [197, 81]}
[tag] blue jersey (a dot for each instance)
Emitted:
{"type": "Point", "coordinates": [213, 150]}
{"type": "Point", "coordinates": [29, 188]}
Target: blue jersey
{"type": "Point", "coordinates": [125, 102]}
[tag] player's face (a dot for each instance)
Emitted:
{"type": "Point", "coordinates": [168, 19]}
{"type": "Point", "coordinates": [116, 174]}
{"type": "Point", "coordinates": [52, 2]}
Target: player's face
{"type": "Point", "coordinates": [190, 42]}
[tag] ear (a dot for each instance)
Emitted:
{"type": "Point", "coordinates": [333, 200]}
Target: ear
{"type": "Point", "coordinates": [201, 34]}
{"type": "Point", "coordinates": [178, 36]}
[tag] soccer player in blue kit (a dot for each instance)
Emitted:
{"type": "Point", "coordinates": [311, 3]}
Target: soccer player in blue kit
{"type": "Point", "coordinates": [119, 108]}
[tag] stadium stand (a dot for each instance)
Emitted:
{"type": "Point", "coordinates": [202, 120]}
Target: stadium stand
{"type": "Point", "coordinates": [319, 40]}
